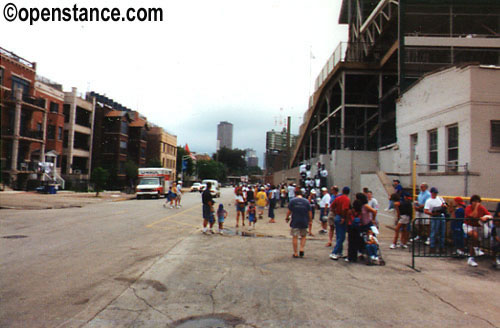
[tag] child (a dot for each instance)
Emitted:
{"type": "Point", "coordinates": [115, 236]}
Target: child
{"type": "Point", "coordinates": [371, 245]}
{"type": "Point", "coordinates": [251, 215]}
{"type": "Point", "coordinates": [221, 215]}
{"type": "Point", "coordinates": [168, 197]}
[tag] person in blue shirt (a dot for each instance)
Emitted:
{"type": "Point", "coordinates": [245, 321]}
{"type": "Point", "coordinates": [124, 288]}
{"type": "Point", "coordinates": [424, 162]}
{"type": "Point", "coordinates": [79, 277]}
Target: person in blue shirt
{"type": "Point", "coordinates": [300, 210]}
{"type": "Point", "coordinates": [423, 225]}
{"type": "Point", "coordinates": [457, 225]}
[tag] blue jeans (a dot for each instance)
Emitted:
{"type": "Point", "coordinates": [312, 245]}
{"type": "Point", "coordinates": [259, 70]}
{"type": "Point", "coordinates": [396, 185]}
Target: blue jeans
{"type": "Point", "coordinates": [458, 233]}
{"type": "Point", "coordinates": [438, 227]}
{"type": "Point", "coordinates": [371, 249]}
{"type": "Point", "coordinates": [272, 205]}
{"type": "Point", "coordinates": [340, 230]}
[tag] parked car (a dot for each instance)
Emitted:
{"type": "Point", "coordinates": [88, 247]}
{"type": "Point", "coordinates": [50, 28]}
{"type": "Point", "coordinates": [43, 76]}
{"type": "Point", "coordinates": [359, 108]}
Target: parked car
{"type": "Point", "coordinates": [215, 190]}
{"type": "Point", "coordinates": [203, 186]}
{"type": "Point", "coordinates": [196, 187]}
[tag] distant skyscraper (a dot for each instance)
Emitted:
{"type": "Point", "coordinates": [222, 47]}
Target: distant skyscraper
{"type": "Point", "coordinates": [251, 157]}
{"type": "Point", "coordinates": [225, 135]}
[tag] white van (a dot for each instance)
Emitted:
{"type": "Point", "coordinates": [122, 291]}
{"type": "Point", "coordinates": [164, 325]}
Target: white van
{"type": "Point", "coordinates": [215, 190]}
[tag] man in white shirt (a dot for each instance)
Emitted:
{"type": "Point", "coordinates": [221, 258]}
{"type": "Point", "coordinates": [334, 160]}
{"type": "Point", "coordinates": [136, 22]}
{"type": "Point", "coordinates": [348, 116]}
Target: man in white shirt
{"type": "Point", "coordinates": [324, 206]}
{"type": "Point", "coordinates": [291, 192]}
{"type": "Point", "coordinates": [433, 207]}
{"type": "Point", "coordinates": [373, 203]}
{"type": "Point", "coordinates": [179, 194]}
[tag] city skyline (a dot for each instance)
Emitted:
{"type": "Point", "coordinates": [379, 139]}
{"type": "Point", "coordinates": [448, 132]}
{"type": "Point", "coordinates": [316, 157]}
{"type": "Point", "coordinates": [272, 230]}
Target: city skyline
{"type": "Point", "coordinates": [187, 87]}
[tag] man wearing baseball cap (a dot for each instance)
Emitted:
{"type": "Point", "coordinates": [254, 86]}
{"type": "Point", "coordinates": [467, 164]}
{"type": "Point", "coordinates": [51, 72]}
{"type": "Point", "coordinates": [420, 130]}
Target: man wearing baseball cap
{"type": "Point", "coordinates": [324, 206]}
{"type": "Point", "coordinates": [434, 207]}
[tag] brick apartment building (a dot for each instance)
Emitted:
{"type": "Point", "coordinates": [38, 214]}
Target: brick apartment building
{"type": "Point", "coordinates": [53, 124]}
{"type": "Point", "coordinates": [23, 120]}
{"type": "Point", "coordinates": [162, 146]}
{"type": "Point", "coordinates": [120, 135]}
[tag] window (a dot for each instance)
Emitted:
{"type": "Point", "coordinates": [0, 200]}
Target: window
{"type": "Point", "coordinates": [39, 127]}
{"type": "Point", "coordinates": [60, 134]}
{"type": "Point", "coordinates": [51, 132]}
{"type": "Point", "coordinates": [65, 140]}
{"type": "Point", "coordinates": [123, 147]}
{"type": "Point", "coordinates": [124, 127]}
{"type": "Point", "coordinates": [20, 83]}
{"type": "Point", "coordinates": [433, 149]}
{"type": "Point", "coordinates": [143, 152]}
{"type": "Point", "coordinates": [1, 76]}
{"type": "Point", "coordinates": [452, 147]}
{"type": "Point", "coordinates": [495, 134]}
{"type": "Point", "coordinates": [66, 113]}
{"type": "Point", "coordinates": [54, 107]}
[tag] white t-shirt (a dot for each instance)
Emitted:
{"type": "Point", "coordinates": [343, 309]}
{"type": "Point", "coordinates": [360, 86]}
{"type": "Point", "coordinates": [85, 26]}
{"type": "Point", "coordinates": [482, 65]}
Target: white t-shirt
{"type": "Point", "coordinates": [373, 204]}
{"type": "Point", "coordinates": [432, 203]}
{"type": "Point", "coordinates": [239, 199]}
{"type": "Point", "coordinates": [179, 188]}
{"type": "Point", "coordinates": [324, 173]}
{"type": "Point", "coordinates": [291, 191]}
{"type": "Point", "coordinates": [325, 201]}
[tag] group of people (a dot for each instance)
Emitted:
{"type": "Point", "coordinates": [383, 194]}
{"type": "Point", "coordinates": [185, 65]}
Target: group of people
{"type": "Point", "coordinates": [357, 219]}
{"type": "Point", "coordinates": [469, 223]}
{"type": "Point", "coordinates": [174, 195]}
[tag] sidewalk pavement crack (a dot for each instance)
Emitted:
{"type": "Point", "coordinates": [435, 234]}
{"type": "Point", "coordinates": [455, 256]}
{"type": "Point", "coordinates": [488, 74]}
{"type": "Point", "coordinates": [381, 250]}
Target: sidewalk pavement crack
{"type": "Point", "coordinates": [149, 305]}
{"type": "Point", "coordinates": [127, 310]}
{"type": "Point", "coordinates": [451, 304]}
{"type": "Point", "coordinates": [215, 288]}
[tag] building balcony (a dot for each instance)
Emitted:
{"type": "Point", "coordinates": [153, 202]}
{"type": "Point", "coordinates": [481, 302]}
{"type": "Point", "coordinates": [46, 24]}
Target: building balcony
{"type": "Point", "coordinates": [26, 134]}
{"type": "Point", "coordinates": [32, 134]}
{"type": "Point", "coordinates": [28, 102]}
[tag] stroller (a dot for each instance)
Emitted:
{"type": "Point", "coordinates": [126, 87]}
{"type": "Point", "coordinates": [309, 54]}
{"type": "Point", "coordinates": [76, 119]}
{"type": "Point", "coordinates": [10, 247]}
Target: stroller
{"type": "Point", "coordinates": [371, 246]}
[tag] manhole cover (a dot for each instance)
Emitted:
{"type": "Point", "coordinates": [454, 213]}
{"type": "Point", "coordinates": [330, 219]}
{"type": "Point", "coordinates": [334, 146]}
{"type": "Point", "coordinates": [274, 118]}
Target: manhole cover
{"type": "Point", "coordinates": [15, 237]}
{"type": "Point", "coordinates": [209, 321]}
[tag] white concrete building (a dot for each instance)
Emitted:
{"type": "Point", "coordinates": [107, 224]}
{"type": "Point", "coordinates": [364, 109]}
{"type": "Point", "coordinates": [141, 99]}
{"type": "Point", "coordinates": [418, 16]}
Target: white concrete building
{"type": "Point", "coordinates": [78, 134]}
{"type": "Point", "coordinates": [452, 117]}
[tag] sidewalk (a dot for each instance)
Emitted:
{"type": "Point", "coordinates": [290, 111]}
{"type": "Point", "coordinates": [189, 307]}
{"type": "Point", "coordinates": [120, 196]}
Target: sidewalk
{"type": "Point", "coordinates": [27, 200]}
{"type": "Point", "coordinates": [251, 280]}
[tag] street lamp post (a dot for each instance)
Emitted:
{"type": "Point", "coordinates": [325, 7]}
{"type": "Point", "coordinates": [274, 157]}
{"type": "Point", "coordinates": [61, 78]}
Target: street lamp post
{"type": "Point", "coordinates": [182, 166]}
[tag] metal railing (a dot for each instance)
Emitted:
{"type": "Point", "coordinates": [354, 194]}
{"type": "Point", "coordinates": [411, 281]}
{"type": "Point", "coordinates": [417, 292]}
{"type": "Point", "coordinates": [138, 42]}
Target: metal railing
{"type": "Point", "coordinates": [450, 237]}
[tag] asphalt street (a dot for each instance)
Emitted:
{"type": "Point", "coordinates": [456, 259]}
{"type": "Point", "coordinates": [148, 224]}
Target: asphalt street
{"type": "Point", "coordinates": [137, 264]}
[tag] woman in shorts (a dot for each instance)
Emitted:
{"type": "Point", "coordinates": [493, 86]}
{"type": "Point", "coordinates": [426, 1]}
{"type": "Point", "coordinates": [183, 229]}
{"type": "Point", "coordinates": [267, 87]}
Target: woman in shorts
{"type": "Point", "coordinates": [404, 210]}
{"type": "Point", "coordinates": [240, 208]}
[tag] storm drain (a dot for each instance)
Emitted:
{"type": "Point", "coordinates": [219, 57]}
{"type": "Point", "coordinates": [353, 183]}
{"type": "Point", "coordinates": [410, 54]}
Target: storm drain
{"type": "Point", "coordinates": [222, 320]}
{"type": "Point", "coordinates": [15, 237]}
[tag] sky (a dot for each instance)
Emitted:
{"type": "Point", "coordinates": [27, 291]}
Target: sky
{"type": "Point", "coordinates": [246, 62]}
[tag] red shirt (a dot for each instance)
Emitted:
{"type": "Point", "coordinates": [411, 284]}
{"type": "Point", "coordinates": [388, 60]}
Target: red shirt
{"type": "Point", "coordinates": [341, 204]}
{"type": "Point", "coordinates": [481, 211]}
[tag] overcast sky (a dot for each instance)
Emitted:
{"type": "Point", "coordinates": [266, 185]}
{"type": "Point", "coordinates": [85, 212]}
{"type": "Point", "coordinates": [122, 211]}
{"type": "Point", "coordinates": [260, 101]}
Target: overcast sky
{"type": "Point", "coordinates": [208, 61]}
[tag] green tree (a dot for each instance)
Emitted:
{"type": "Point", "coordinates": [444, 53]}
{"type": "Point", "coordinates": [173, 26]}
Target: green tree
{"type": "Point", "coordinates": [233, 159]}
{"type": "Point", "coordinates": [190, 163]}
{"type": "Point", "coordinates": [211, 170]}
{"type": "Point", "coordinates": [254, 170]}
{"type": "Point", "coordinates": [99, 178]}
{"type": "Point", "coordinates": [154, 163]}
{"type": "Point", "coordinates": [131, 170]}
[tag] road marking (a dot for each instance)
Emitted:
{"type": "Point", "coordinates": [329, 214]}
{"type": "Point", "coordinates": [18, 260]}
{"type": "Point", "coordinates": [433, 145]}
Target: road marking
{"type": "Point", "coordinates": [170, 217]}
{"type": "Point", "coordinates": [177, 222]}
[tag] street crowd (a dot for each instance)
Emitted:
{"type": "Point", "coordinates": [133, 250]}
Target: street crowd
{"type": "Point", "coordinates": [355, 216]}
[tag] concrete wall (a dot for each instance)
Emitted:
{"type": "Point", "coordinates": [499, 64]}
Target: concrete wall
{"type": "Point", "coordinates": [466, 96]}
